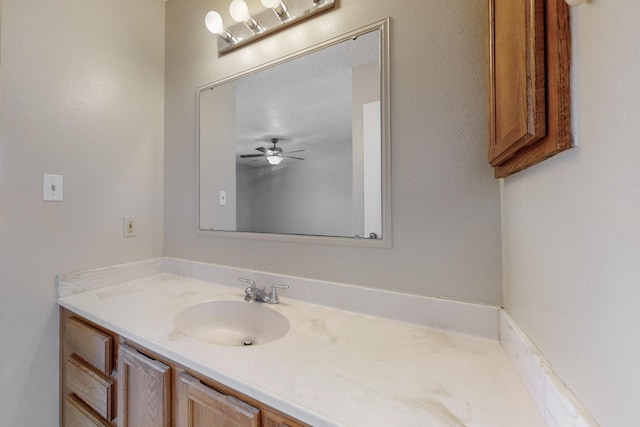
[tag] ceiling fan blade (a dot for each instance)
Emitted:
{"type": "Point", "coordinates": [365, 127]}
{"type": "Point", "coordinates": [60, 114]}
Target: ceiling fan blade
{"type": "Point", "coordinates": [291, 157]}
{"type": "Point", "coordinates": [246, 156]}
{"type": "Point", "coordinates": [264, 150]}
{"type": "Point", "coordinates": [294, 151]}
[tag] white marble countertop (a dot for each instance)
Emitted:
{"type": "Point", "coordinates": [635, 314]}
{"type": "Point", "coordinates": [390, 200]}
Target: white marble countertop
{"type": "Point", "coordinates": [333, 367]}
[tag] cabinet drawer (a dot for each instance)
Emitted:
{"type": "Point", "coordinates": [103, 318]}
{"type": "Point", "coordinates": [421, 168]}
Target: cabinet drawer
{"type": "Point", "coordinates": [77, 414]}
{"type": "Point", "coordinates": [91, 344]}
{"type": "Point", "coordinates": [93, 388]}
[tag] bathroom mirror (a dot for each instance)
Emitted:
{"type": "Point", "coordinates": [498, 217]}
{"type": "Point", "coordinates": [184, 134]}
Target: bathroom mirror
{"type": "Point", "coordinates": [299, 148]}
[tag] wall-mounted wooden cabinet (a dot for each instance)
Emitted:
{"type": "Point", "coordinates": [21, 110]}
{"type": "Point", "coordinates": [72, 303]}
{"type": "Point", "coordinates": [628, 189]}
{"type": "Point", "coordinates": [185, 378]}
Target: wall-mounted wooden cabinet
{"type": "Point", "coordinates": [529, 58]}
{"type": "Point", "coordinates": [152, 391]}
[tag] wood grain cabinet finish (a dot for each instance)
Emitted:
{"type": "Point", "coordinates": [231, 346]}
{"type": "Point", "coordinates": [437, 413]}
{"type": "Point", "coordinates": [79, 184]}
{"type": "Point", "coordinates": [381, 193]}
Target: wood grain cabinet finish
{"type": "Point", "coordinates": [270, 419]}
{"type": "Point", "coordinates": [529, 98]}
{"type": "Point", "coordinates": [518, 83]}
{"type": "Point", "coordinates": [87, 385]}
{"type": "Point", "coordinates": [78, 414]}
{"type": "Point", "coordinates": [91, 344]}
{"type": "Point", "coordinates": [144, 393]}
{"type": "Point", "coordinates": [92, 387]}
{"type": "Point", "coordinates": [202, 406]}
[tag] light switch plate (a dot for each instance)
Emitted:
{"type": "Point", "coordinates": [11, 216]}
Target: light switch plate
{"type": "Point", "coordinates": [51, 188]}
{"type": "Point", "coordinates": [129, 226]}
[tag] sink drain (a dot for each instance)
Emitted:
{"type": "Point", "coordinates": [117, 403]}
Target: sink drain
{"type": "Point", "coordinates": [248, 341]}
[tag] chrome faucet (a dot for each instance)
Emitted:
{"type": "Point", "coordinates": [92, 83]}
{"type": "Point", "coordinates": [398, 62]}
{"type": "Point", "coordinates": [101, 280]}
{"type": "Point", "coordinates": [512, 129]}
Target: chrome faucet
{"type": "Point", "coordinates": [254, 293]}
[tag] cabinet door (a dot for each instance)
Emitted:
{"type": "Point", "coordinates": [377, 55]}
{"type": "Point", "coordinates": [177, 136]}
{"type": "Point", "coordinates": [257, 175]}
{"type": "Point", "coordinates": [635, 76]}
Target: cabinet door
{"type": "Point", "coordinates": [144, 393]}
{"type": "Point", "coordinates": [529, 91]}
{"type": "Point", "coordinates": [516, 76]}
{"type": "Point", "coordinates": [202, 406]}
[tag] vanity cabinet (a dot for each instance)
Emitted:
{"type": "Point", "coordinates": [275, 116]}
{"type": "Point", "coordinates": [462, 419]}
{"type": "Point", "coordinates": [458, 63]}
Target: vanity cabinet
{"type": "Point", "coordinates": [529, 98]}
{"type": "Point", "coordinates": [107, 381]}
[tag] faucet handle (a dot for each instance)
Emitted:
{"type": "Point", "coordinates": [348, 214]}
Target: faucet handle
{"type": "Point", "coordinates": [273, 295]}
{"type": "Point", "coordinates": [253, 284]}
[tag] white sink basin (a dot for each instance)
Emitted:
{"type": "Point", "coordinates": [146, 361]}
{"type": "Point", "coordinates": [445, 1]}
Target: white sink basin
{"type": "Point", "coordinates": [234, 323]}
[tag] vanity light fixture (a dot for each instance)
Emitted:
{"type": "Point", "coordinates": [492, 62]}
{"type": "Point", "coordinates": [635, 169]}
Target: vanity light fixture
{"type": "Point", "coordinates": [249, 27]}
{"type": "Point", "coordinates": [274, 160]}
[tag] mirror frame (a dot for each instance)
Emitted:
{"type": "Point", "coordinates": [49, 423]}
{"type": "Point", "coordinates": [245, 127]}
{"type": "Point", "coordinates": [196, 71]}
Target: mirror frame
{"type": "Point", "coordinates": [385, 241]}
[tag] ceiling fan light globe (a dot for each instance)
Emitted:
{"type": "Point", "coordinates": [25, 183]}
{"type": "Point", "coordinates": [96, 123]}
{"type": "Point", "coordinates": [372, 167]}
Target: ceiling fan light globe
{"type": "Point", "coordinates": [274, 160]}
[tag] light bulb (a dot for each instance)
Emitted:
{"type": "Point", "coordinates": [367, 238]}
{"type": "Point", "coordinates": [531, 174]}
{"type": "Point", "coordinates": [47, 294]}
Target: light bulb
{"type": "Point", "coordinates": [270, 3]}
{"type": "Point", "coordinates": [213, 21]}
{"type": "Point", "coordinates": [278, 7]}
{"type": "Point", "coordinates": [239, 11]}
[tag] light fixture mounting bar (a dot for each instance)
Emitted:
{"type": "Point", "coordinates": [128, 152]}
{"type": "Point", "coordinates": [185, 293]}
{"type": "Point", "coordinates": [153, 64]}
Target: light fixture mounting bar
{"type": "Point", "coordinates": [270, 22]}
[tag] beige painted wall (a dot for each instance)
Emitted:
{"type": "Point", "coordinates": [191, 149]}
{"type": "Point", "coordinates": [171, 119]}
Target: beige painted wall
{"type": "Point", "coordinates": [572, 224]}
{"type": "Point", "coordinates": [82, 86]}
{"type": "Point", "coordinates": [446, 217]}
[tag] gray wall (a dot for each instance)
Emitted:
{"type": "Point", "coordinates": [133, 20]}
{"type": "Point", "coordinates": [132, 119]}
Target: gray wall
{"type": "Point", "coordinates": [82, 89]}
{"type": "Point", "coordinates": [572, 226]}
{"type": "Point", "coordinates": [446, 209]}
{"type": "Point", "coordinates": [311, 196]}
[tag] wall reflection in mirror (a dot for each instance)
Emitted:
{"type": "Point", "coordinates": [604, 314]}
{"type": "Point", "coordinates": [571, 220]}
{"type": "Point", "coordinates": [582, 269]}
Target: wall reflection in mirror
{"type": "Point", "coordinates": [297, 148]}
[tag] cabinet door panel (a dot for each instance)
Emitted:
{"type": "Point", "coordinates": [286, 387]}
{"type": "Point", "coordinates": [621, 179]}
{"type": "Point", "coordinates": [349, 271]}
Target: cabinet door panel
{"type": "Point", "coordinates": [558, 102]}
{"type": "Point", "coordinates": [202, 406]}
{"type": "Point", "coordinates": [517, 101]}
{"type": "Point", "coordinates": [143, 390]}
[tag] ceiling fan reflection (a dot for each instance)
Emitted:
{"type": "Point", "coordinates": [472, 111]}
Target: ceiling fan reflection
{"type": "Point", "coordinates": [274, 154]}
